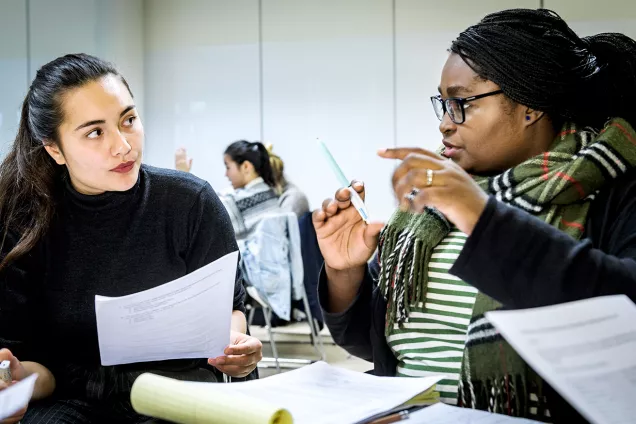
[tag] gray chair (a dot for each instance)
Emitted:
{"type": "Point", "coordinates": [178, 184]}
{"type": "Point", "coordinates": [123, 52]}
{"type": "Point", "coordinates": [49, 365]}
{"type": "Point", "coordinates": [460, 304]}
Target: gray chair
{"type": "Point", "coordinates": [262, 302]}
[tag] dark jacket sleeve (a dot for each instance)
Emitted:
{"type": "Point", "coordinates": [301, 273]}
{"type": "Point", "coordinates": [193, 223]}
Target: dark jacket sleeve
{"type": "Point", "coordinates": [351, 328]}
{"type": "Point", "coordinates": [523, 262]}
{"type": "Point", "coordinates": [212, 237]}
{"type": "Point", "coordinates": [19, 305]}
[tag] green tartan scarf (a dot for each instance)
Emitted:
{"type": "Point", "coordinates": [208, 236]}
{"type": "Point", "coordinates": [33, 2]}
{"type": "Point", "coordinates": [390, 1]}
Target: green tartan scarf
{"type": "Point", "coordinates": [557, 187]}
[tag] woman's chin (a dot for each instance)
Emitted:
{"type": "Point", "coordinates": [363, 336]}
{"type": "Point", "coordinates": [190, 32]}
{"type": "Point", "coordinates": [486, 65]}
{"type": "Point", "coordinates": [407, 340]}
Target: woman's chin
{"type": "Point", "coordinates": [126, 181]}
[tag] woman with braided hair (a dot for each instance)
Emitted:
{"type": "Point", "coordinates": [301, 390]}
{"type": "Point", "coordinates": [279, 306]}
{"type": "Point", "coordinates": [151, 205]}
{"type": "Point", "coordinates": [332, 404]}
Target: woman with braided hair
{"type": "Point", "coordinates": [530, 202]}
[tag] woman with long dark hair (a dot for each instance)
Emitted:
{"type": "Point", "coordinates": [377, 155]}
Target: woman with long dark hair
{"type": "Point", "coordinates": [82, 216]}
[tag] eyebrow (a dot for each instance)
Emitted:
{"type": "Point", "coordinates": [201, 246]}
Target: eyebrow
{"type": "Point", "coordinates": [101, 121]}
{"type": "Point", "coordinates": [454, 90]}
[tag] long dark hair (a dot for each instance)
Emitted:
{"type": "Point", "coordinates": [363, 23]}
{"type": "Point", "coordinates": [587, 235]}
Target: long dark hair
{"type": "Point", "coordinates": [29, 178]}
{"type": "Point", "coordinates": [540, 62]}
{"type": "Point", "coordinates": [256, 154]}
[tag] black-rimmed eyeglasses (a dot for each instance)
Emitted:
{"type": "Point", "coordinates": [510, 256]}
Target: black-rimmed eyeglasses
{"type": "Point", "coordinates": [454, 106]}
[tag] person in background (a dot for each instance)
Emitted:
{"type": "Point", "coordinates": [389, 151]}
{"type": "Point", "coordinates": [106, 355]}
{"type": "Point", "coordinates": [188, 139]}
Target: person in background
{"type": "Point", "coordinates": [291, 198]}
{"type": "Point", "coordinates": [181, 160]}
{"type": "Point", "coordinates": [250, 173]}
{"type": "Point", "coordinates": [253, 194]}
{"type": "Point", "coordinates": [80, 216]}
{"type": "Point", "coordinates": [531, 203]}
{"type": "Point", "coordinates": [263, 230]}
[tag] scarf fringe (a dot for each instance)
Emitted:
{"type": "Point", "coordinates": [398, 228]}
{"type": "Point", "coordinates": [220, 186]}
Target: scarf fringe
{"type": "Point", "coordinates": [407, 264]}
{"type": "Point", "coordinates": [501, 395]}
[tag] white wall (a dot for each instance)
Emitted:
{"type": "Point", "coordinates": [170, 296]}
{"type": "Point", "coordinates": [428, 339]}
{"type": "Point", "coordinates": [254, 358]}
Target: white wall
{"type": "Point", "coordinates": [327, 72]}
{"type": "Point", "coordinates": [49, 38]}
{"type": "Point", "coordinates": [120, 39]}
{"type": "Point", "coordinates": [13, 68]}
{"type": "Point", "coordinates": [589, 17]}
{"type": "Point", "coordinates": [109, 29]}
{"type": "Point", "coordinates": [208, 84]}
{"type": "Point", "coordinates": [357, 73]}
{"type": "Point", "coordinates": [202, 81]}
{"type": "Point", "coordinates": [36, 31]}
{"type": "Point", "coordinates": [331, 69]}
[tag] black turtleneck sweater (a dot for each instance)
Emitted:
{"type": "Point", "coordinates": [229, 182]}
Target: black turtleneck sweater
{"type": "Point", "coordinates": [168, 225]}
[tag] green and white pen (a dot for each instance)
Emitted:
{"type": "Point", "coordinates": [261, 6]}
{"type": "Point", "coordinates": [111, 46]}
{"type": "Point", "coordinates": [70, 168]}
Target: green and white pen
{"type": "Point", "coordinates": [356, 200]}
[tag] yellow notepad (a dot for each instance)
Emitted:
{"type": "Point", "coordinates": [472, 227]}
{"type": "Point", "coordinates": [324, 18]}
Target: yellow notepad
{"type": "Point", "coordinates": [176, 401]}
{"type": "Point", "coordinates": [428, 397]}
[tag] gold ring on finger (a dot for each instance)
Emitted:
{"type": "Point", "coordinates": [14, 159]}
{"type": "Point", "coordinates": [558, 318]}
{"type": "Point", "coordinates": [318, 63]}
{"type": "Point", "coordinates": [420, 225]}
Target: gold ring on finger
{"type": "Point", "coordinates": [429, 177]}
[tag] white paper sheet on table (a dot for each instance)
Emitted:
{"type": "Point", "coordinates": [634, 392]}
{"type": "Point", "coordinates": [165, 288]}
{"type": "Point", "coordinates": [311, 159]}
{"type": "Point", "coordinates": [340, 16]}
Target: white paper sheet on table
{"type": "Point", "coordinates": [16, 397]}
{"type": "Point", "coordinates": [445, 414]}
{"type": "Point", "coordinates": [586, 350]}
{"type": "Point", "coordinates": [323, 394]}
{"type": "Point", "coordinates": [186, 318]}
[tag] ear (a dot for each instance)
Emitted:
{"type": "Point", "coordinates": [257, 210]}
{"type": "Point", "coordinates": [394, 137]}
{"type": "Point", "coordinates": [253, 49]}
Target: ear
{"type": "Point", "coordinates": [55, 152]}
{"type": "Point", "coordinates": [247, 167]}
{"type": "Point", "coordinates": [532, 116]}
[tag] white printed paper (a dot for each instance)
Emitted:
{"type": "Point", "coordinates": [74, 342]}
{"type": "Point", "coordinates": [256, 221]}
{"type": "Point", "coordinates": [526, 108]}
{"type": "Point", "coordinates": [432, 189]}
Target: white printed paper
{"type": "Point", "coordinates": [586, 350]}
{"type": "Point", "coordinates": [16, 396]}
{"type": "Point", "coordinates": [445, 414]}
{"type": "Point", "coordinates": [187, 318]}
{"type": "Point", "coordinates": [323, 394]}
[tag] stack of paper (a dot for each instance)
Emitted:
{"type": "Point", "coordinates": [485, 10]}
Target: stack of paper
{"type": "Point", "coordinates": [314, 394]}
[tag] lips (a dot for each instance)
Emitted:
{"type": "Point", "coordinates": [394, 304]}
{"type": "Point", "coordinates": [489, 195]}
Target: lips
{"type": "Point", "coordinates": [124, 167]}
{"type": "Point", "coordinates": [450, 150]}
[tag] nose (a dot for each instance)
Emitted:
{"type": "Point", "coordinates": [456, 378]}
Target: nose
{"type": "Point", "coordinates": [447, 126]}
{"type": "Point", "coordinates": [120, 146]}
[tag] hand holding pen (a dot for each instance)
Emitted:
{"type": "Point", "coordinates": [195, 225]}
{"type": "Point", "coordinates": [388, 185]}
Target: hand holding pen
{"type": "Point", "coordinates": [356, 200]}
{"type": "Point", "coordinates": [346, 236]}
{"type": "Point", "coordinates": [10, 369]}
{"type": "Point", "coordinates": [345, 240]}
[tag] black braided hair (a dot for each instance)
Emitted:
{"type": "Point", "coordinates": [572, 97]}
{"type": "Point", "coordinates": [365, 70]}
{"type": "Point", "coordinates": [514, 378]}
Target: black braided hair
{"type": "Point", "coordinates": [540, 62]}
